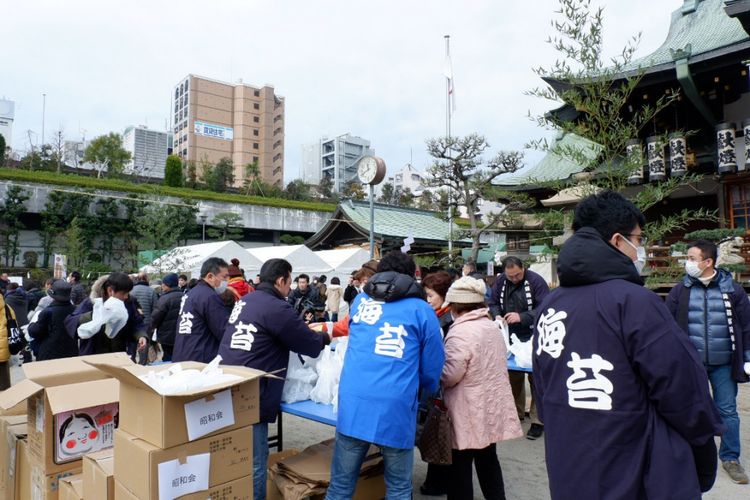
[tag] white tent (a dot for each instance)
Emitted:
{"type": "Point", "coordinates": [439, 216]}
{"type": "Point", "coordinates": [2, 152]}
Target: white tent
{"type": "Point", "coordinates": [302, 259]}
{"type": "Point", "coordinates": [189, 259]}
{"type": "Point", "coordinates": [344, 260]}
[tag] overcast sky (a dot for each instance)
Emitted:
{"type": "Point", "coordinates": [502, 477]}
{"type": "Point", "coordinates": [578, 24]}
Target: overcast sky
{"type": "Point", "coordinates": [373, 69]}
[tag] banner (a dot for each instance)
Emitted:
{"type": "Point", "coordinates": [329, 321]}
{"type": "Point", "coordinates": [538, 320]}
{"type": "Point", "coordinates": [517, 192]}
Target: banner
{"type": "Point", "coordinates": [61, 267]}
{"type": "Point", "coordinates": [215, 131]}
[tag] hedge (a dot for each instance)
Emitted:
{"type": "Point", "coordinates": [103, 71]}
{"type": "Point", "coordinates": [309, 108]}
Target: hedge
{"type": "Point", "coordinates": [44, 177]}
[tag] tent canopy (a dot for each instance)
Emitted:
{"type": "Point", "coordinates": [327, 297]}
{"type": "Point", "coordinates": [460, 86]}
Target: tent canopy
{"type": "Point", "coordinates": [344, 260]}
{"type": "Point", "coordinates": [189, 259]}
{"type": "Point", "coordinates": [302, 259]}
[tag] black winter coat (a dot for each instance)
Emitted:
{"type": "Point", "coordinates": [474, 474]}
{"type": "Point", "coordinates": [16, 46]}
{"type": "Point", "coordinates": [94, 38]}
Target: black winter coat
{"type": "Point", "coordinates": [50, 334]}
{"type": "Point", "coordinates": [164, 316]}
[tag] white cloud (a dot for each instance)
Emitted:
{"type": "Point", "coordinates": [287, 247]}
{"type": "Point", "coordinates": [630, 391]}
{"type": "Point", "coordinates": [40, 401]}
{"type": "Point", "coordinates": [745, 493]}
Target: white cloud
{"type": "Point", "coordinates": [373, 69]}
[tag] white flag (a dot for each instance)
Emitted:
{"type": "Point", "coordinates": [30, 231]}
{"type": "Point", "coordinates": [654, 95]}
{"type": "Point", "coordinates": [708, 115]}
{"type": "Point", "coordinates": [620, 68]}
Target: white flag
{"type": "Point", "coordinates": [448, 72]}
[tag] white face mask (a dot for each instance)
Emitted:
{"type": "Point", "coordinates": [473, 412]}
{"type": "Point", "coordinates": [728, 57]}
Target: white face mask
{"type": "Point", "coordinates": [640, 256]}
{"type": "Point", "coordinates": [693, 269]}
{"type": "Point", "coordinates": [222, 286]}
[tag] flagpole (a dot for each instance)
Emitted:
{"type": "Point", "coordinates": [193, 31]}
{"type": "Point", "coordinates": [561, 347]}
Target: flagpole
{"type": "Point", "coordinates": [447, 136]}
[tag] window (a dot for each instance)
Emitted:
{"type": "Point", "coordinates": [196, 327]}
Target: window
{"type": "Point", "coordinates": [739, 206]}
{"type": "Point", "coordinates": [256, 93]}
{"type": "Point", "coordinates": [176, 93]}
{"type": "Point", "coordinates": [184, 152]}
{"type": "Point", "coordinates": [256, 105]}
{"type": "Point", "coordinates": [256, 119]}
{"type": "Point", "coordinates": [255, 145]}
{"type": "Point", "coordinates": [516, 242]}
{"type": "Point", "coordinates": [255, 132]}
{"type": "Point", "coordinates": [255, 158]}
{"type": "Point", "coordinates": [186, 85]}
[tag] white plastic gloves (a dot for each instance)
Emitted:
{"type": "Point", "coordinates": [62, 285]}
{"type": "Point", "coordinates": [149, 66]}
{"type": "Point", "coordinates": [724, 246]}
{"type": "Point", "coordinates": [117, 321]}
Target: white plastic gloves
{"type": "Point", "coordinates": [747, 368]}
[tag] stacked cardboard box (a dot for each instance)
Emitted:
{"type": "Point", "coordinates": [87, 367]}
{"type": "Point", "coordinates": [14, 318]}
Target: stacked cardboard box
{"type": "Point", "coordinates": [12, 432]}
{"type": "Point", "coordinates": [192, 444]}
{"type": "Point", "coordinates": [99, 475]}
{"type": "Point", "coordinates": [70, 409]}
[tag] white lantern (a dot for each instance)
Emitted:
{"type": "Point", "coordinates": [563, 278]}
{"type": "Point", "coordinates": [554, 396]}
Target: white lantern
{"type": "Point", "coordinates": [657, 169]}
{"type": "Point", "coordinates": [726, 156]}
{"type": "Point", "coordinates": [677, 155]}
{"type": "Point", "coordinates": [634, 153]}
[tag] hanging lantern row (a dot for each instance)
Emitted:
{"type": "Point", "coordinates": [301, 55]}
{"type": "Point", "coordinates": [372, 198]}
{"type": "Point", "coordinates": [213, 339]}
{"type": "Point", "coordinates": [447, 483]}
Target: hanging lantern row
{"type": "Point", "coordinates": [656, 162]}
{"type": "Point", "coordinates": [726, 136]}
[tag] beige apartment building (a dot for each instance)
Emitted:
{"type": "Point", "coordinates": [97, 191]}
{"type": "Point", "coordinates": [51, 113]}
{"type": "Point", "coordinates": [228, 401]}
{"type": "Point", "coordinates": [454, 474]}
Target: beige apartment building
{"type": "Point", "coordinates": [213, 120]}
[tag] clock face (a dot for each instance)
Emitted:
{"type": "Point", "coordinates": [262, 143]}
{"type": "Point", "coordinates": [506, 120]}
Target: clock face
{"type": "Point", "coordinates": [367, 170]}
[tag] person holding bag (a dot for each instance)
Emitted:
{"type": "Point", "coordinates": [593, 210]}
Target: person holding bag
{"type": "Point", "coordinates": [476, 392]}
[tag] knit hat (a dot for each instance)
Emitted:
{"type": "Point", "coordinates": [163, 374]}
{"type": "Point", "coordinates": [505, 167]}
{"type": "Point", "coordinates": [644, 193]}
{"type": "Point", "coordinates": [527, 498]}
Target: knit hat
{"type": "Point", "coordinates": [171, 280]}
{"type": "Point", "coordinates": [466, 290]}
{"type": "Point", "coordinates": [60, 291]}
{"type": "Point", "coordinates": [234, 269]}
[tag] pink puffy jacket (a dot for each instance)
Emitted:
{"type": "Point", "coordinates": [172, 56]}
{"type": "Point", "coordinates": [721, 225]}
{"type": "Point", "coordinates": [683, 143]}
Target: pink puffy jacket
{"type": "Point", "coordinates": [475, 383]}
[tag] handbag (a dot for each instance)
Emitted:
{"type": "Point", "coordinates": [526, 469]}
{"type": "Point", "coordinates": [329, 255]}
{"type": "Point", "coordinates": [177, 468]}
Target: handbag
{"type": "Point", "coordinates": [16, 339]}
{"type": "Point", "coordinates": [435, 443]}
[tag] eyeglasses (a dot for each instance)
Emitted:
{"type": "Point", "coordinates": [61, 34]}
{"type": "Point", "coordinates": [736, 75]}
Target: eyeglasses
{"type": "Point", "coordinates": [642, 240]}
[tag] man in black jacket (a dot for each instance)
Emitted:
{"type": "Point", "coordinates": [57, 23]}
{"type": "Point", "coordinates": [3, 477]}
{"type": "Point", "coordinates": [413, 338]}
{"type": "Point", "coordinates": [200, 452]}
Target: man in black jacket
{"type": "Point", "coordinates": [262, 330]}
{"type": "Point", "coordinates": [515, 297]}
{"type": "Point", "coordinates": [49, 328]}
{"type": "Point", "coordinates": [165, 314]}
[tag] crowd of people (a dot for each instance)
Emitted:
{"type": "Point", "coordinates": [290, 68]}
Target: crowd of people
{"type": "Point", "coordinates": [629, 392]}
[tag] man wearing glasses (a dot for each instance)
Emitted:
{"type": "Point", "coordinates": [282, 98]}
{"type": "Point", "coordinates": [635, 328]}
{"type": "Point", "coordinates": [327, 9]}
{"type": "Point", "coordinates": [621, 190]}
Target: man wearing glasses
{"type": "Point", "coordinates": [715, 313]}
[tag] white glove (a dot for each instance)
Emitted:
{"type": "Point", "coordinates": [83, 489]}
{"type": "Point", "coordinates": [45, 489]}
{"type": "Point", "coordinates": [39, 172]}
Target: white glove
{"type": "Point", "coordinates": [747, 368]}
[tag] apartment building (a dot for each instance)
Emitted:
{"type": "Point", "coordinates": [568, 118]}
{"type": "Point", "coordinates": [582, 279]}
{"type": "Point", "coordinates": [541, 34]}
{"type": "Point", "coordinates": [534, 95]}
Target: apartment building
{"type": "Point", "coordinates": [148, 150]}
{"type": "Point", "coordinates": [213, 119]}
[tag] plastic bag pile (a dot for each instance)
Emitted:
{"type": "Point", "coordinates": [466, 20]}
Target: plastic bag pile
{"type": "Point", "coordinates": [316, 379]}
{"type": "Point", "coordinates": [176, 380]}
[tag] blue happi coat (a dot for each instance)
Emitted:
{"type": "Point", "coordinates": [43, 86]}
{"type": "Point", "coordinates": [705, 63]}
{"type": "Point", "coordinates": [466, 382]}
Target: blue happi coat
{"type": "Point", "coordinates": [395, 347]}
{"type": "Point", "coordinates": [620, 389]}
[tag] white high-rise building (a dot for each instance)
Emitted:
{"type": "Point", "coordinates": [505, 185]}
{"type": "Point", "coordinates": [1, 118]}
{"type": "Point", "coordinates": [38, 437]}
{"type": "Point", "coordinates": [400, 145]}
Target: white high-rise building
{"type": "Point", "coordinates": [73, 154]}
{"type": "Point", "coordinates": [407, 177]}
{"type": "Point", "coordinates": [7, 114]}
{"type": "Point", "coordinates": [335, 159]}
{"type": "Point", "coordinates": [148, 149]}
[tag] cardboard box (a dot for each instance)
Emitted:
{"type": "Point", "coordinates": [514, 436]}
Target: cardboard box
{"type": "Point", "coordinates": [239, 489]}
{"type": "Point", "coordinates": [47, 486]}
{"type": "Point", "coordinates": [46, 403]}
{"type": "Point", "coordinates": [313, 464]}
{"type": "Point", "coordinates": [164, 421]}
{"type": "Point", "coordinates": [23, 476]}
{"type": "Point", "coordinates": [99, 475]}
{"type": "Point", "coordinates": [71, 488]}
{"type": "Point", "coordinates": [12, 431]}
{"type": "Point", "coordinates": [56, 386]}
{"type": "Point", "coordinates": [214, 460]}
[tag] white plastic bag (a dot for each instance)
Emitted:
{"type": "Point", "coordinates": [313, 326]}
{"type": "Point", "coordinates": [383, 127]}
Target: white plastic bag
{"type": "Point", "coordinates": [330, 363]}
{"type": "Point", "coordinates": [300, 379]}
{"type": "Point", "coordinates": [112, 314]}
{"type": "Point", "coordinates": [503, 326]}
{"type": "Point", "coordinates": [522, 352]}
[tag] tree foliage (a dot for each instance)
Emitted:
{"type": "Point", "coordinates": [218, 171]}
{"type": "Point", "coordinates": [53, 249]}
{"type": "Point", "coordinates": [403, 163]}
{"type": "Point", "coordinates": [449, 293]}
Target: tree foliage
{"type": "Point", "coordinates": [173, 172]}
{"type": "Point", "coordinates": [220, 176]}
{"type": "Point", "coordinates": [298, 190]}
{"type": "Point", "coordinates": [106, 153]}
{"type": "Point", "coordinates": [14, 205]}
{"type": "Point", "coordinates": [460, 168]}
{"type": "Point", "coordinates": [225, 226]}
{"type": "Point", "coordinates": [2, 150]}
{"type": "Point", "coordinates": [354, 190]}
{"type": "Point", "coordinates": [601, 91]}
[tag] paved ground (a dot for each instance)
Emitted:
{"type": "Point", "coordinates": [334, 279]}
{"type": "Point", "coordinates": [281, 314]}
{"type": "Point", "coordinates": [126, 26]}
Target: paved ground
{"type": "Point", "coordinates": [522, 460]}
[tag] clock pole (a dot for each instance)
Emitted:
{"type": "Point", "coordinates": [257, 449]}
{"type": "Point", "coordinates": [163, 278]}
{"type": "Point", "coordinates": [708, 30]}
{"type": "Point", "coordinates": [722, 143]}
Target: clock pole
{"type": "Point", "coordinates": [372, 222]}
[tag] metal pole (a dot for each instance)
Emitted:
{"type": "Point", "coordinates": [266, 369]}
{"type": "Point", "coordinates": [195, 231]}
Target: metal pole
{"type": "Point", "coordinates": [372, 222]}
{"type": "Point", "coordinates": [44, 108]}
{"type": "Point", "coordinates": [447, 136]}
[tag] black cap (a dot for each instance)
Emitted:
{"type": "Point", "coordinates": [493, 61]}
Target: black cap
{"type": "Point", "coordinates": [60, 291]}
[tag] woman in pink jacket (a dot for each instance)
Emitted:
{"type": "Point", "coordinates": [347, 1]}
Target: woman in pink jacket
{"type": "Point", "coordinates": [477, 392]}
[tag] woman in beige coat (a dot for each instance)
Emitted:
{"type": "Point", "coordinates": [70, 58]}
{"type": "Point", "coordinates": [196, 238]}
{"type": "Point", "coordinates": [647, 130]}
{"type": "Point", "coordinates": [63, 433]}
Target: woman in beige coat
{"type": "Point", "coordinates": [477, 392]}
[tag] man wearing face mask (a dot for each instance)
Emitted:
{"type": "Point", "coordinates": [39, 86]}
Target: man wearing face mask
{"type": "Point", "coordinates": [703, 304]}
{"type": "Point", "coordinates": [202, 318]}
{"type": "Point", "coordinates": [620, 389]}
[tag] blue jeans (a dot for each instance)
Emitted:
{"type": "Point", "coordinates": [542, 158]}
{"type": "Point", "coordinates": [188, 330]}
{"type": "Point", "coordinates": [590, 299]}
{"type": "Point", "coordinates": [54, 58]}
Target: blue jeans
{"type": "Point", "coordinates": [260, 460]}
{"type": "Point", "coordinates": [348, 455]}
{"type": "Point", "coordinates": [724, 389]}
